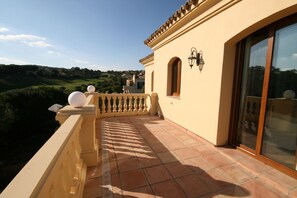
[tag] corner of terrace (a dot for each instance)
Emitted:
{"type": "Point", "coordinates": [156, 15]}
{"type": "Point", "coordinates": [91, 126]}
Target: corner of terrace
{"type": "Point", "coordinates": [114, 146]}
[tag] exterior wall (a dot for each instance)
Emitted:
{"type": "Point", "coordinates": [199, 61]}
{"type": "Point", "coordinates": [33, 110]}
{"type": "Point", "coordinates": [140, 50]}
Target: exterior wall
{"type": "Point", "coordinates": [149, 68]}
{"type": "Point", "coordinates": [215, 27]}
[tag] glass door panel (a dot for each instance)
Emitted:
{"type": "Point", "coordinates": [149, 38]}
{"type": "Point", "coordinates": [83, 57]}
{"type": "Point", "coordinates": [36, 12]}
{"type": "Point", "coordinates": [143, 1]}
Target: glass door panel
{"type": "Point", "coordinates": [251, 89]}
{"type": "Point", "coordinates": [280, 131]}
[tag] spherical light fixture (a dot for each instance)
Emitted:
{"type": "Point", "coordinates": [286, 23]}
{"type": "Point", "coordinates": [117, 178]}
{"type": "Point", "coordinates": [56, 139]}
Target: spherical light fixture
{"type": "Point", "coordinates": [77, 99]}
{"type": "Point", "coordinates": [91, 88]}
{"type": "Point", "coordinates": [289, 94]}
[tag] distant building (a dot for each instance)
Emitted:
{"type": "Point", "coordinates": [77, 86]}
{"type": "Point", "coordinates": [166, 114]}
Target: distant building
{"type": "Point", "coordinates": [135, 84]}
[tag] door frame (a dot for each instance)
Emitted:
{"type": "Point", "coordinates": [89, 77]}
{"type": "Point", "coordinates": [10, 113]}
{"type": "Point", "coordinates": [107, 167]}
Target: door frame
{"type": "Point", "coordinates": [239, 57]}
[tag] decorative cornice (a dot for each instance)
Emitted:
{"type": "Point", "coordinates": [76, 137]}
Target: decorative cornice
{"type": "Point", "coordinates": [147, 59]}
{"type": "Point", "coordinates": [177, 16]}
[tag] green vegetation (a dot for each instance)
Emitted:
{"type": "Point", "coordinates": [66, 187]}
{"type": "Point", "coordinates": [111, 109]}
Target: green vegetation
{"type": "Point", "coordinates": [26, 93]}
{"type": "Point", "coordinates": [25, 125]}
{"type": "Point", "coordinates": [32, 76]}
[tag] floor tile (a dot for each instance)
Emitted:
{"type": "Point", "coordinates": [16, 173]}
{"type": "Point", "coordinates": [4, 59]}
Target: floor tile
{"type": "Point", "coordinates": [193, 186]}
{"type": "Point", "coordinates": [177, 169]}
{"type": "Point", "coordinates": [149, 161]}
{"type": "Point", "coordinates": [142, 149]}
{"type": "Point", "coordinates": [116, 183]}
{"type": "Point", "coordinates": [217, 160]}
{"type": "Point", "coordinates": [168, 189]}
{"type": "Point", "coordinates": [216, 180]}
{"type": "Point", "coordinates": [204, 150]}
{"type": "Point", "coordinates": [235, 173]}
{"type": "Point", "coordinates": [143, 192]}
{"type": "Point", "coordinates": [159, 148]}
{"type": "Point", "coordinates": [258, 189]}
{"type": "Point", "coordinates": [167, 157]}
{"type": "Point", "coordinates": [152, 140]}
{"type": "Point", "coordinates": [94, 171]}
{"type": "Point", "coordinates": [175, 145]}
{"type": "Point", "coordinates": [231, 153]}
{"type": "Point", "coordinates": [186, 153]}
{"type": "Point", "coordinates": [178, 163]}
{"type": "Point", "coordinates": [279, 180]}
{"type": "Point", "coordinates": [157, 174]}
{"type": "Point", "coordinates": [125, 155]}
{"type": "Point", "coordinates": [112, 155]}
{"type": "Point", "coordinates": [234, 191]}
{"type": "Point", "coordinates": [128, 164]}
{"type": "Point", "coordinates": [92, 188]}
{"type": "Point", "coordinates": [252, 165]}
{"type": "Point", "coordinates": [198, 164]}
{"type": "Point", "coordinates": [176, 132]}
{"type": "Point", "coordinates": [133, 179]}
{"type": "Point", "coordinates": [113, 167]}
{"type": "Point", "coordinates": [293, 193]}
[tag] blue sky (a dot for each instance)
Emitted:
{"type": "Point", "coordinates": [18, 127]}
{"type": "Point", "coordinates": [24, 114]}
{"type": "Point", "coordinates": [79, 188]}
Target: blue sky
{"type": "Point", "coordinates": [95, 34]}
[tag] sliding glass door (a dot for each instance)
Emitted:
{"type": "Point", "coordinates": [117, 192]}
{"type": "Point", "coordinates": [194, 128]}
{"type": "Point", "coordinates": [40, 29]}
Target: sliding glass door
{"type": "Point", "coordinates": [267, 106]}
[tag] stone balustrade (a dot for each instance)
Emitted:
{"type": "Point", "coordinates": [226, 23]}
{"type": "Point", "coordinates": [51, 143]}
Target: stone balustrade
{"type": "Point", "coordinates": [112, 105]}
{"type": "Point", "coordinates": [58, 169]}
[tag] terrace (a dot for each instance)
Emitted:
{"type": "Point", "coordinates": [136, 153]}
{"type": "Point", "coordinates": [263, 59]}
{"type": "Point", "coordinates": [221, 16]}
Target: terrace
{"type": "Point", "coordinates": [113, 146]}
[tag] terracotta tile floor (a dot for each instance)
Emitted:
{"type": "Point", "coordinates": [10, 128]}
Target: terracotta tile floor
{"type": "Point", "coordinates": [148, 157]}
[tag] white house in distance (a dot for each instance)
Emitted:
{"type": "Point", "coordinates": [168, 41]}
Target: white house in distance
{"type": "Point", "coordinates": [135, 84]}
{"type": "Point", "coordinates": [227, 72]}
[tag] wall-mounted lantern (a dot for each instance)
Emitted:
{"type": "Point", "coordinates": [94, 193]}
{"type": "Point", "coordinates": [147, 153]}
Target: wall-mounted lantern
{"type": "Point", "coordinates": [196, 57]}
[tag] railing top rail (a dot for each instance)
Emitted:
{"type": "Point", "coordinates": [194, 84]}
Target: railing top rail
{"type": "Point", "coordinates": [30, 179]}
{"type": "Point", "coordinates": [126, 94]}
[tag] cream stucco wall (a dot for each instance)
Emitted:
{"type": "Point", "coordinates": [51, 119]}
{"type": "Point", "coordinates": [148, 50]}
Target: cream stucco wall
{"type": "Point", "coordinates": [204, 104]}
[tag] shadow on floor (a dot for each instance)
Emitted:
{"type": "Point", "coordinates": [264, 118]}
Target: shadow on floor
{"type": "Point", "coordinates": [150, 157]}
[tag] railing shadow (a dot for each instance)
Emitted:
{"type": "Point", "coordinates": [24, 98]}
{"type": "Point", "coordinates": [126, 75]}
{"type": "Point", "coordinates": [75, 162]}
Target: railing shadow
{"type": "Point", "coordinates": [143, 164]}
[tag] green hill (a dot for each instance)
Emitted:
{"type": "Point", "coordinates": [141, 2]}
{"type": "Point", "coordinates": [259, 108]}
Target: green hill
{"type": "Point", "coordinates": [34, 76]}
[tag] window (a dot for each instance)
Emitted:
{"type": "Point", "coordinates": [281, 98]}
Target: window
{"type": "Point", "coordinates": [174, 77]}
{"type": "Point", "coordinates": [140, 85]}
{"type": "Point", "coordinates": [152, 81]}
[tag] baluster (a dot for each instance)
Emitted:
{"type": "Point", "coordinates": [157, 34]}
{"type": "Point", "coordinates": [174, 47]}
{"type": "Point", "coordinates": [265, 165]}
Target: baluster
{"type": "Point", "coordinates": [120, 106]}
{"type": "Point", "coordinates": [145, 103]}
{"type": "Point", "coordinates": [103, 98]}
{"type": "Point", "coordinates": [109, 104]}
{"type": "Point", "coordinates": [130, 103]}
{"type": "Point", "coordinates": [114, 103]}
{"type": "Point", "coordinates": [135, 103]}
{"type": "Point", "coordinates": [125, 103]}
{"type": "Point", "coordinates": [140, 106]}
{"type": "Point", "coordinates": [99, 105]}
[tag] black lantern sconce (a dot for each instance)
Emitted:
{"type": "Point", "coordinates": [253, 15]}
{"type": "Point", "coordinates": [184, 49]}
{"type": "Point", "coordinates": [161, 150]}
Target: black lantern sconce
{"type": "Point", "coordinates": [196, 57]}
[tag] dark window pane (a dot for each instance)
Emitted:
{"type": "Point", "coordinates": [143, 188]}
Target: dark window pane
{"type": "Point", "coordinates": [251, 90]}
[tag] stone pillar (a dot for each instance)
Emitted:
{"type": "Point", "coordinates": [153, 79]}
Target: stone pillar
{"type": "Point", "coordinates": [95, 102]}
{"type": "Point", "coordinates": [87, 136]}
{"type": "Point", "coordinates": [154, 104]}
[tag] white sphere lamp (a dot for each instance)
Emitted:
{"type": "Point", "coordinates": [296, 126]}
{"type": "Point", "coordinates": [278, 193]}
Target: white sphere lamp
{"type": "Point", "coordinates": [289, 94]}
{"type": "Point", "coordinates": [77, 99]}
{"type": "Point", "coordinates": [91, 88]}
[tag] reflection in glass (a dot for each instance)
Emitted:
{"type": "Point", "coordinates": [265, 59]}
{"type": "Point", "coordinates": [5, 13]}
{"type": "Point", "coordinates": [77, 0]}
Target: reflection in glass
{"type": "Point", "coordinates": [280, 132]}
{"type": "Point", "coordinates": [251, 90]}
